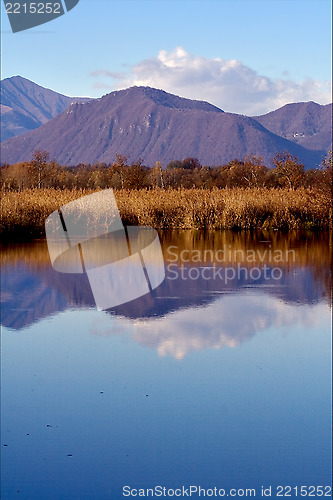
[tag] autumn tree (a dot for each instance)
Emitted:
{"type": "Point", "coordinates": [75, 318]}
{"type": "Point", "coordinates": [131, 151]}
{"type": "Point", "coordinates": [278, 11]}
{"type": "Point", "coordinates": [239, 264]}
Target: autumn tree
{"type": "Point", "coordinates": [255, 171]}
{"type": "Point", "coordinates": [327, 169]}
{"type": "Point", "coordinates": [119, 165]}
{"type": "Point", "coordinates": [18, 176]}
{"type": "Point", "coordinates": [156, 176]}
{"type": "Point", "coordinates": [236, 174]}
{"type": "Point", "coordinates": [191, 163]}
{"type": "Point", "coordinates": [39, 163]}
{"type": "Point", "coordinates": [289, 172]}
{"type": "Point", "coordinates": [135, 175]}
{"type": "Point", "coordinates": [173, 164]}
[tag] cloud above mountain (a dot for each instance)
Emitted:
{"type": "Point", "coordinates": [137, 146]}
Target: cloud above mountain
{"type": "Point", "coordinates": [230, 85]}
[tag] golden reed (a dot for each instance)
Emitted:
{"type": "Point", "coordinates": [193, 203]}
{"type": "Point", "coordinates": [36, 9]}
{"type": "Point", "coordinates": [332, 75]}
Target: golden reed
{"type": "Point", "coordinates": [231, 208]}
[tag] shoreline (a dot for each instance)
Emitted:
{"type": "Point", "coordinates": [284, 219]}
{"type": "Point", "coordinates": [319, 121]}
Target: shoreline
{"type": "Point", "coordinates": [23, 213]}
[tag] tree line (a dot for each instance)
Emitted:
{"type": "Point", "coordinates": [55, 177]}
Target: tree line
{"type": "Point", "coordinates": [287, 171]}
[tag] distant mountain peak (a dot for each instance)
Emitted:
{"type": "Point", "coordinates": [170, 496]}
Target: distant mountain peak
{"type": "Point", "coordinates": [28, 105]}
{"type": "Point", "coordinates": [306, 123]}
{"type": "Point", "coordinates": [151, 124]}
{"type": "Point", "coordinates": [154, 125]}
{"type": "Point", "coordinates": [162, 98]}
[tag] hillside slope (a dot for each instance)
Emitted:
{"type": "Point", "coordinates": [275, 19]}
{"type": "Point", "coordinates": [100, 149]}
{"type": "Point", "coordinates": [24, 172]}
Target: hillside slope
{"type": "Point", "coordinates": [26, 106]}
{"type": "Point", "coordinates": [306, 123]}
{"type": "Point", "coordinates": [146, 123]}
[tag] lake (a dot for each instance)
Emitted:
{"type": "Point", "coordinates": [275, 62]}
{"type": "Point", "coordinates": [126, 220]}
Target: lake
{"type": "Point", "coordinates": [219, 378]}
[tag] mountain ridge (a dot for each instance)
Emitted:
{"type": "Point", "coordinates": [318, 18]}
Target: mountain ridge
{"type": "Point", "coordinates": [25, 105]}
{"type": "Point", "coordinates": [306, 123]}
{"type": "Point", "coordinates": [153, 125]}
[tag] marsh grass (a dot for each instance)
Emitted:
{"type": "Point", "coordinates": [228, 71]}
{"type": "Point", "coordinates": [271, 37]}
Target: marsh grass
{"type": "Point", "coordinates": [24, 213]}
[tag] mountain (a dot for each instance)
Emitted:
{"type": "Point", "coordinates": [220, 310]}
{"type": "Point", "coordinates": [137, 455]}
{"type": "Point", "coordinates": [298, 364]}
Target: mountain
{"type": "Point", "coordinates": [26, 106]}
{"type": "Point", "coordinates": [35, 291]}
{"type": "Point", "coordinates": [306, 123]}
{"type": "Point", "coordinates": [146, 123]}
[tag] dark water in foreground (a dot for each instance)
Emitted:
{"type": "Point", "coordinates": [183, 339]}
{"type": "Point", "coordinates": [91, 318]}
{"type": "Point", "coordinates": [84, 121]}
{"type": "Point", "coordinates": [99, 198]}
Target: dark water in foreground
{"type": "Point", "coordinates": [220, 378]}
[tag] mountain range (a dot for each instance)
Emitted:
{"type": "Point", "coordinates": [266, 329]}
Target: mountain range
{"type": "Point", "coordinates": [153, 125]}
{"type": "Point", "coordinates": [306, 123]}
{"type": "Point", "coordinates": [26, 106]}
{"type": "Point", "coordinates": [35, 290]}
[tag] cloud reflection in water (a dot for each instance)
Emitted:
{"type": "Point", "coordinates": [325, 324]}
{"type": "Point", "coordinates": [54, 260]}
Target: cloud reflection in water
{"type": "Point", "coordinates": [227, 322]}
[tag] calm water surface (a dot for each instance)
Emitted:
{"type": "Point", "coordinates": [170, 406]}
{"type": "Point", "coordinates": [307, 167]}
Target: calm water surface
{"type": "Point", "coordinates": [218, 378]}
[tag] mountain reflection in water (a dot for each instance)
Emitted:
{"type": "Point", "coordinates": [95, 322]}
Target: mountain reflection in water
{"type": "Point", "coordinates": [192, 309]}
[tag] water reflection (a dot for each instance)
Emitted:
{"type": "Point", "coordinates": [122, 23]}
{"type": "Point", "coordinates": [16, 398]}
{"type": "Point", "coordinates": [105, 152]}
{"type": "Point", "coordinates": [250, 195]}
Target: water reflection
{"type": "Point", "coordinates": [226, 322]}
{"type": "Point", "coordinates": [211, 382]}
{"type": "Point", "coordinates": [187, 311]}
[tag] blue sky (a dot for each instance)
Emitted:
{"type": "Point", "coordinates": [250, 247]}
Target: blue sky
{"type": "Point", "coordinates": [246, 56]}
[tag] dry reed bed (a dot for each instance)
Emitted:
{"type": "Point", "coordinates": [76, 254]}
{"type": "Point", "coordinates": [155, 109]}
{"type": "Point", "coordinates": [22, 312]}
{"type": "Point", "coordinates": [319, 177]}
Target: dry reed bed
{"type": "Point", "coordinates": [256, 208]}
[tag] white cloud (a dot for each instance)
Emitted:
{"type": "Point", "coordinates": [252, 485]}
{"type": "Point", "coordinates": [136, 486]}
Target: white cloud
{"type": "Point", "coordinates": [217, 325]}
{"type": "Point", "coordinates": [229, 85]}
